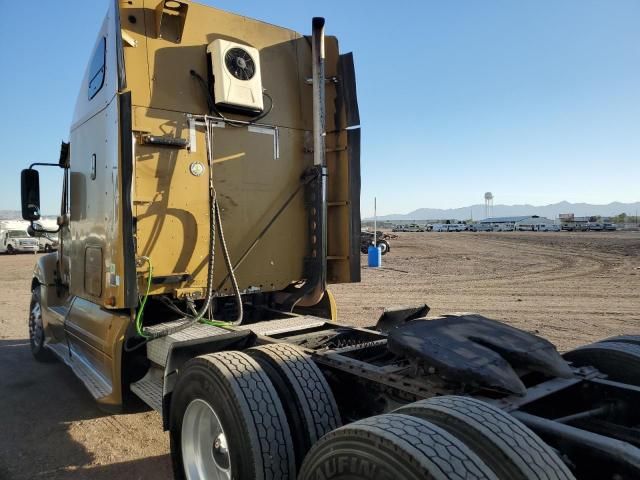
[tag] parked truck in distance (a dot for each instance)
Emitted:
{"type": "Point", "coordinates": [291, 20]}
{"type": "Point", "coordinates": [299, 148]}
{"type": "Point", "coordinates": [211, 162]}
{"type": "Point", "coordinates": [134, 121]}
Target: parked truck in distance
{"type": "Point", "coordinates": [210, 198]}
{"type": "Point", "coordinates": [47, 242]}
{"type": "Point", "coordinates": [382, 241]}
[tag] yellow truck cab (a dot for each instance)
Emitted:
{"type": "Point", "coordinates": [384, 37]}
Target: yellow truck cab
{"type": "Point", "coordinates": [211, 196]}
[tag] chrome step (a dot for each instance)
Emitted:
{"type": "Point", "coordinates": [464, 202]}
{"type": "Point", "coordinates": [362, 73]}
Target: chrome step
{"type": "Point", "coordinates": [60, 310]}
{"type": "Point", "coordinates": [149, 388]}
{"type": "Point", "coordinates": [97, 385]}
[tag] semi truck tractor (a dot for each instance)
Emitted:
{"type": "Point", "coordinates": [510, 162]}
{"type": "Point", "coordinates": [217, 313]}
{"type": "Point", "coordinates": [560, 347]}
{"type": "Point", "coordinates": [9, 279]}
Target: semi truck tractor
{"type": "Point", "coordinates": [210, 198]}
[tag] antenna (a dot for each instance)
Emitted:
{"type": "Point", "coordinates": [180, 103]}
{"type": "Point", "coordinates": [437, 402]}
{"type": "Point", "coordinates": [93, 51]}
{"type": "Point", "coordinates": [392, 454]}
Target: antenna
{"type": "Point", "coordinates": [488, 204]}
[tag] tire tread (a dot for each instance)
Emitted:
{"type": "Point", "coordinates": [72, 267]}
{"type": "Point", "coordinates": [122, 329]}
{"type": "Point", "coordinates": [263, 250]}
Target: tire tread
{"type": "Point", "coordinates": [521, 447]}
{"type": "Point", "coordinates": [261, 410]}
{"type": "Point", "coordinates": [309, 385]}
{"type": "Point", "coordinates": [421, 445]}
{"type": "Point", "coordinates": [619, 359]}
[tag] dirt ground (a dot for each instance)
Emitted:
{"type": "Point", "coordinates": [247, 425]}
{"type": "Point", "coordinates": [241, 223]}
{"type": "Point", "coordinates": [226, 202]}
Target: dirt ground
{"type": "Point", "coordinates": [572, 288]}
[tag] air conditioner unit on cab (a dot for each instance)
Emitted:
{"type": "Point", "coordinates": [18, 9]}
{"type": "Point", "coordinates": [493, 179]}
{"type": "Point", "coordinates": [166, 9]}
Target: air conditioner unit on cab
{"type": "Point", "coordinates": [236, 71]}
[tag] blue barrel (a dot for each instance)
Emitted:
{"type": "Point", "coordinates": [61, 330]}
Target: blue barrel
{"type": "Point", "coordinates": [375, 256]}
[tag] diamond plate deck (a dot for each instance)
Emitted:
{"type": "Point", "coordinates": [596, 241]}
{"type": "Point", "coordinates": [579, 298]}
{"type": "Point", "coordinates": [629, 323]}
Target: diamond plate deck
{"type": "Point", "coordinates": [149, 388]}
{"type": "Point", "coordinates": [157, 350]}
{"type": "Point", "coordinates": [273, 327]}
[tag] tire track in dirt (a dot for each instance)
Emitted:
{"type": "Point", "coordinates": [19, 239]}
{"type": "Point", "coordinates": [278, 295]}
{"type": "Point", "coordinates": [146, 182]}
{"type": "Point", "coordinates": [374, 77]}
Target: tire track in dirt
{"type": "Point", "coordinates": [574, 263]}
{"type": "Point", "coordinates": [551, 283]}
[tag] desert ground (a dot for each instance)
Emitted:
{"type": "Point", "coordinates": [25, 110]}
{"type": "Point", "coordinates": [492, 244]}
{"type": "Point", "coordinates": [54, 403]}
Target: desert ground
{"type": "Point", "coordinates": [572, 288]}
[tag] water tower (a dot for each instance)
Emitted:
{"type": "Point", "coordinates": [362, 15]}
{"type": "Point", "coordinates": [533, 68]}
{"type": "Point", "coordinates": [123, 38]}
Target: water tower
{"type": "Point", "coordinates": [488, 204]}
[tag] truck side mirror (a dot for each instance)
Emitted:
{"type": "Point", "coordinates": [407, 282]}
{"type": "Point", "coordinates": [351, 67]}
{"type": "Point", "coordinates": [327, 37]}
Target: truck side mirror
{"type": "Point", "coordinates": [30, 184]}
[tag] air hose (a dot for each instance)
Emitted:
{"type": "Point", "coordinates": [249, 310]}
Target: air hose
{"type": "Point", "coordinates": [230, 269]}
{"type": "Point", "coordinates": [215, 220]}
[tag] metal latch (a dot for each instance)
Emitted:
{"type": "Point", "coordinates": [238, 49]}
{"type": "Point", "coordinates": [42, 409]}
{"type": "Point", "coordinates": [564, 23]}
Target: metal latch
{"type": "Point", "coordinates": [165, 141]}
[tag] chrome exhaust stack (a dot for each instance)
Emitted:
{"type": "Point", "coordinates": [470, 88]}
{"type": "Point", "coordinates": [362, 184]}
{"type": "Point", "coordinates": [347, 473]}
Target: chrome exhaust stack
{"type": "Point", "coordinates": [316, 194]}
{"type": "Point", "coordinates": [317, 74]}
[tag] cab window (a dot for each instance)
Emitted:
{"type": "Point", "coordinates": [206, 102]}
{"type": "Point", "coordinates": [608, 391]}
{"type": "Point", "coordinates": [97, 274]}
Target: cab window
{"type": "Point", "coordinates": [97, 68]}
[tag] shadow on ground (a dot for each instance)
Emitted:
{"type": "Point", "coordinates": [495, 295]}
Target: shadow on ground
{"type": "Point", "coordinates": [38, 403]}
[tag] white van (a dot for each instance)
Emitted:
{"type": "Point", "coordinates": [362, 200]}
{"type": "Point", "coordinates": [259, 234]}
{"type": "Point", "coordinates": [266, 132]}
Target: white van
{"type": "Point", "coordinates": [481, 227]}
{"type": "Point", "coordinates": [448, 227]}
{"type": "Point", "coordinates": [15, 241]}
{"type": "Point", "coordinates": [504, 227]}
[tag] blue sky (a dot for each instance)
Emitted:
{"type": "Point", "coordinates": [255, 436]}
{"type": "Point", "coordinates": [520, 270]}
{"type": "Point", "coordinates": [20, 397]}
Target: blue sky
{"type": "Point", "coordinates": [537, 101]}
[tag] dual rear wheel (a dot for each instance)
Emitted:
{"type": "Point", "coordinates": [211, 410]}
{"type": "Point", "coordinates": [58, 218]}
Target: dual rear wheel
{"type": "Point", "coordinates": [268, 413]}
{"type": "Point", "coordinates": [446, 437]}
{"type": "Point", "coordinates": [246, 415]}
{"type": "Point", "coordinates": [227, 422]}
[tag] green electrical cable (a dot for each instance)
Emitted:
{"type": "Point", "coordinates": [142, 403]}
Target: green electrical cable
{"type": "Point", "coordinates": [144, 301]}
{"type": "Point", "coordinates": [217, 323]}
{"type": "Point", "coordinates": [139, 315]}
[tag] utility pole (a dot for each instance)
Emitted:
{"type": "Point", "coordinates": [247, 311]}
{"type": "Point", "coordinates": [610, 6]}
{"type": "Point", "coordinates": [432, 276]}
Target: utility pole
{"type": "Point", "coordinates": [375, 222]}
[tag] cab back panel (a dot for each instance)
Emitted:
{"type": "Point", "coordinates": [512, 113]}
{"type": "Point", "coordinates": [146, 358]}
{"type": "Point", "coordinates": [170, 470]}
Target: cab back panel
{"type": "Point", "coordinates": [171, 205]}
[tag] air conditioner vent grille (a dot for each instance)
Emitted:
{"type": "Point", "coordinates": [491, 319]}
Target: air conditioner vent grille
{"type": "Point", "coordinates": [240, 64]}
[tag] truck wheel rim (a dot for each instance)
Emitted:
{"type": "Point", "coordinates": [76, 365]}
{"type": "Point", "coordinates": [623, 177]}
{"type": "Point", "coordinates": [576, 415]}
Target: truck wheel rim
{"type": "Point", "coordinates": [205, 452]}
{"type": "Point", "coordinates": [35, 325]}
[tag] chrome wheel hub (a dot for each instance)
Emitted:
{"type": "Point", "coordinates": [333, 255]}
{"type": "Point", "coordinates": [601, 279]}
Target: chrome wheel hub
{"type": "Point", "coordinates": [205, 452]}
{"type": "Point", "coordinates": [36, 331]}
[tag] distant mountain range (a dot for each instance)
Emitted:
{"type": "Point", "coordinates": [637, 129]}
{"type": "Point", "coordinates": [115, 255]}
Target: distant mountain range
{"type": "Point", "coordinates": [17, 215]}
{"type": "Point", "coordinates": [549, 211]}
{"type": "Point", "coordinates": [10, 215]}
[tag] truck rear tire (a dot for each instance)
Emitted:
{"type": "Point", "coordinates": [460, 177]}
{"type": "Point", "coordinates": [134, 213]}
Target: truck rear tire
{"type": "Point", "coordinates": [36, 329]}
{"type": "Point", "coordinates": [392, 446]}
{"type": "Point", "coordinates": [384, 247]}
{"type": "Point", "coordinates": [634, 339]}
{"type": "Point", "coordinates": [620, 359]}
{"type": "Point", "coordinates": [508, 447]}
{"type": "Point", "coordinates": [226, 421]}
{"type": "Point", "coordinates": [308, 401]}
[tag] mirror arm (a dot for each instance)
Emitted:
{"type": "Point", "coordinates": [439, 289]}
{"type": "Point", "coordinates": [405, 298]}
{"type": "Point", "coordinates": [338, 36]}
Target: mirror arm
{"type": "Point", "coordinates": [43, 165]}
